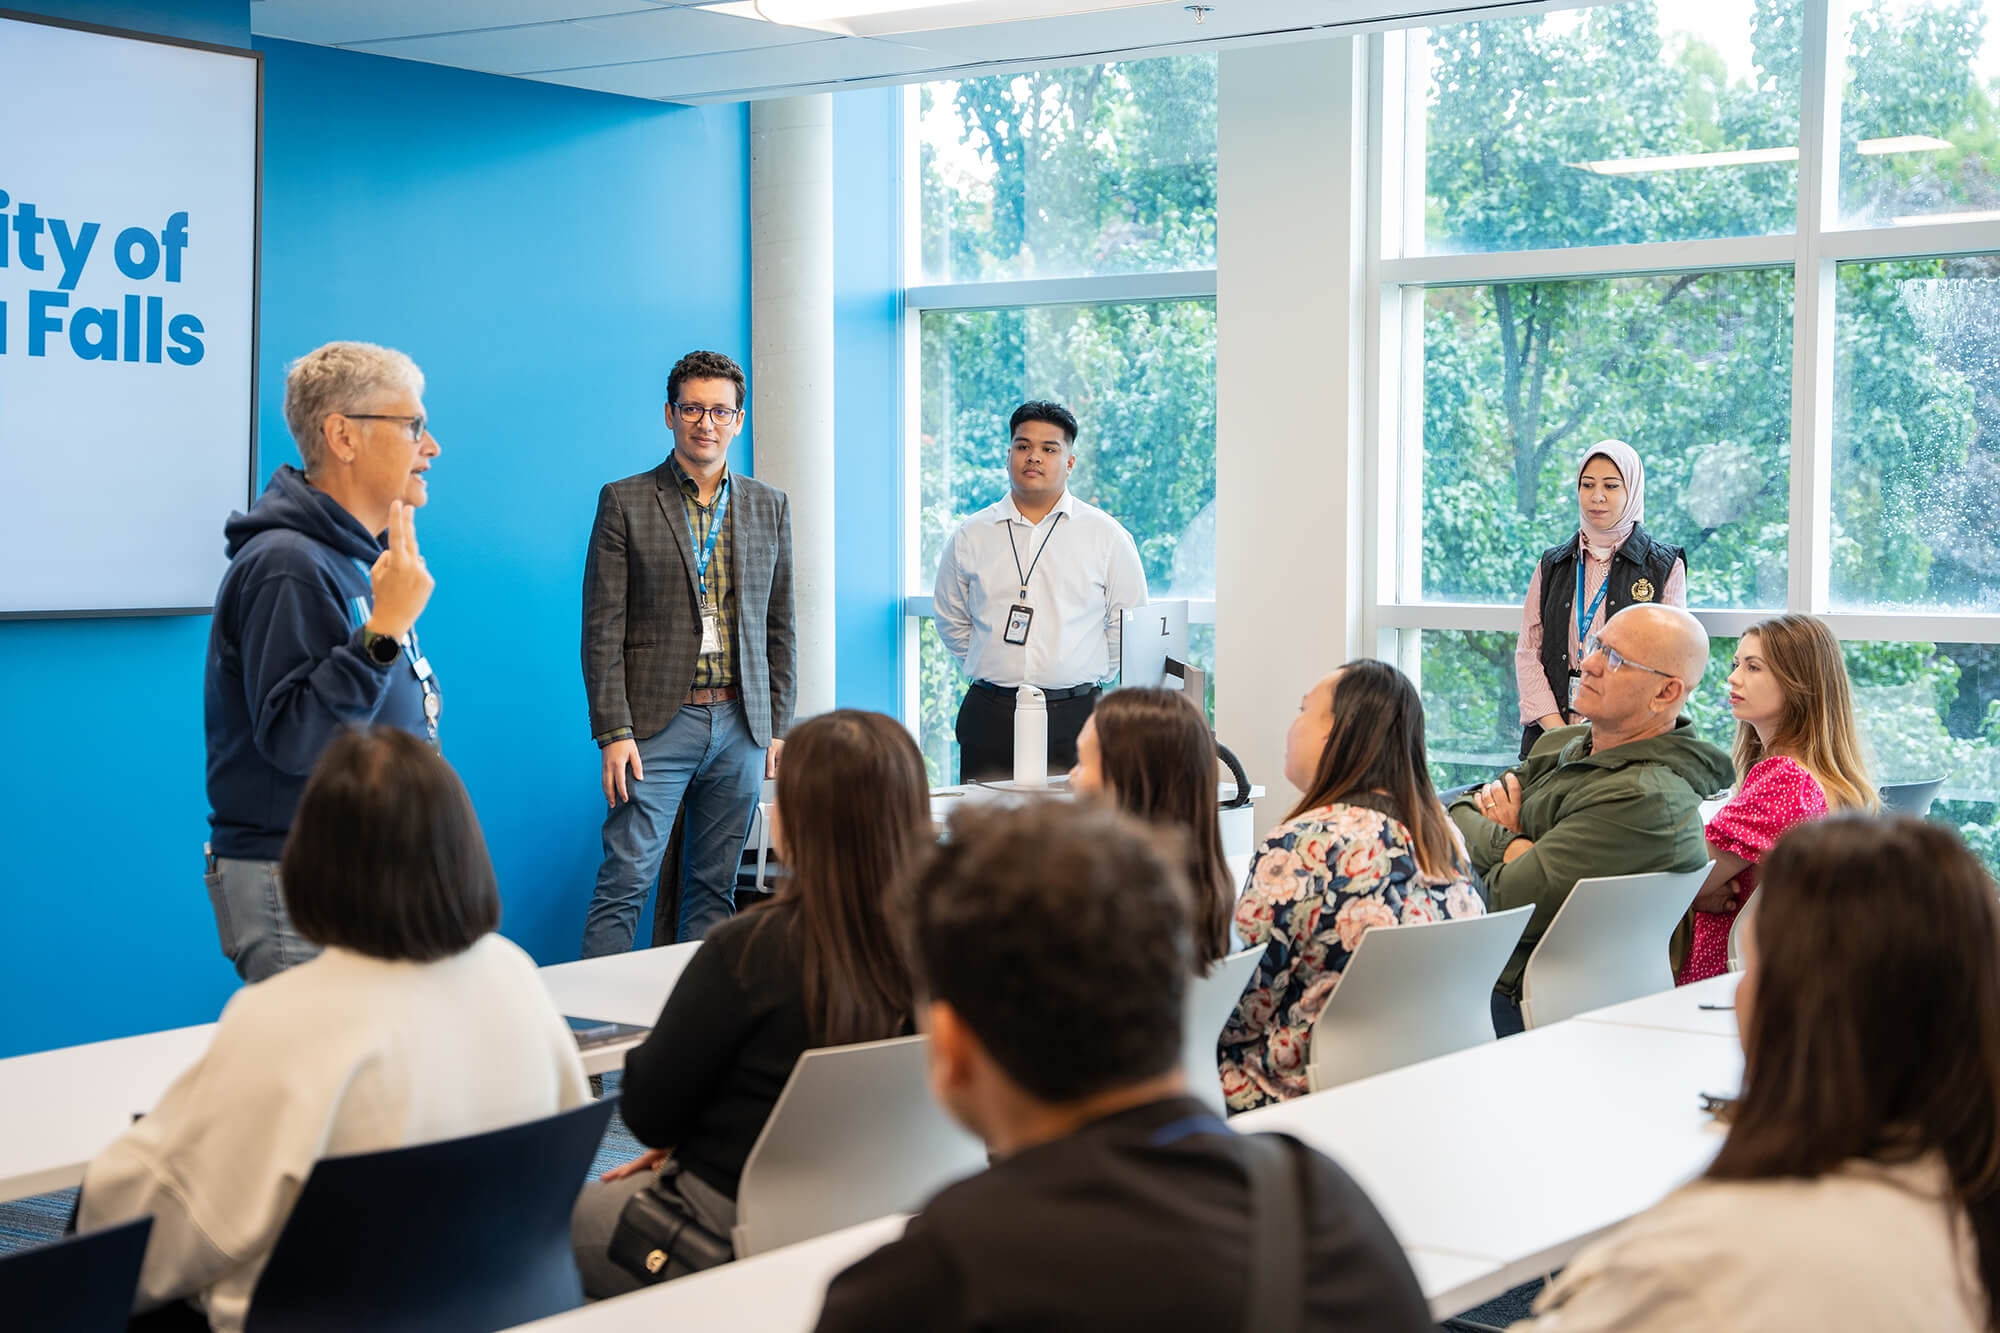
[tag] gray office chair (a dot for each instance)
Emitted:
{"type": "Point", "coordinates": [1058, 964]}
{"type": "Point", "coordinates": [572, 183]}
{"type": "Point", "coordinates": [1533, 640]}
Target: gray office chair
{"type": "Point", "coordinates": [1411, 993]}
{"type": "Point", "coordinates": [854, 1136]}
{"type": "Point", "coordinates": [1910, 798]}
{"type": "Point", "coordinates": [1607, 944]}
{"type": "Point", "coordinates": [1210, 1002]}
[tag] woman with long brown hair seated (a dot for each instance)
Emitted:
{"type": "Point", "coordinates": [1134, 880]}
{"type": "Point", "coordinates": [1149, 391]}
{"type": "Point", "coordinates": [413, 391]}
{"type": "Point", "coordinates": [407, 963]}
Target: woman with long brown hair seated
{"type": "Point", "coordinates": [1369, 844]}
{"type": "Point", "coordinates": [819, 965]}
{"type": "Point", "coordinates": [1797, 756]}
{"type": "Point", "coordinates": [1151, 752]}
{"type": "Point", "coordinates": [1859, 1187]}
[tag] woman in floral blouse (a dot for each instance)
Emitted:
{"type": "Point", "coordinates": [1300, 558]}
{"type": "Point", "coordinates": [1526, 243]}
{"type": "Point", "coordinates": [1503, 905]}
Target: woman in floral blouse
{"type": "Point", "coordinates": [1369, 845]}
{"type": "Point", "coordinates": [1797, 756]}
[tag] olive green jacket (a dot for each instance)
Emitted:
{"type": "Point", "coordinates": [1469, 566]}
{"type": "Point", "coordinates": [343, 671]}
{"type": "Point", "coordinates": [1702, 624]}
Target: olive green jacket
{"type": "Point", "coordinates": [1632, 810]}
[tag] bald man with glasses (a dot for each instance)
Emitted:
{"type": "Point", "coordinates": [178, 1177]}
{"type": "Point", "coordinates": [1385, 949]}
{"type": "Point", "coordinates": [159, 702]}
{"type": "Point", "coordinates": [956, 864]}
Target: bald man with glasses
{"type": "Point", "coordinates": [1617, 795]}
{"type": "Point", "coordinates": [688, 659]}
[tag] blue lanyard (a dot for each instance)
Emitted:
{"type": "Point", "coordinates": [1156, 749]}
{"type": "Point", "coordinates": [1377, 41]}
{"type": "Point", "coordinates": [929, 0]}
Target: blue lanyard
{"type": "Point", "coordinates": [1586, 619]}
{"type": "Point", "coordinates": [1194, 1124]}
{"type": "Point", "coordinates": [706, 549]}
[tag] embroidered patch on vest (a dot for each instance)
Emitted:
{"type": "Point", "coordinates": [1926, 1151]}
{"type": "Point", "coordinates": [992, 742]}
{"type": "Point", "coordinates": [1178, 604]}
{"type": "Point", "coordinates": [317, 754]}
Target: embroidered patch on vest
{"type": "Point", "coordinates": [1642, 591]}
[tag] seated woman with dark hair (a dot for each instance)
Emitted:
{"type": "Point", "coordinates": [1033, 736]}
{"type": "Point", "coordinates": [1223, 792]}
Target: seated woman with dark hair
{"type": "Point", "coordinates": [1859, 1187]}
{"type": "Point", "coordinates": [1368, 844]}
{"type": "Point", "coordinates": [416, 1023]}
{"type": "Point", "coordinates": [819, 965]}
{"type": "Point", "coordinates": [1151, 751]}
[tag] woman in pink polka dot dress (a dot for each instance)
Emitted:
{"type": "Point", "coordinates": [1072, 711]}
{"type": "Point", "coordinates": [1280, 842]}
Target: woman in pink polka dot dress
{"type": "Point", "coordinates": [1796, 757]}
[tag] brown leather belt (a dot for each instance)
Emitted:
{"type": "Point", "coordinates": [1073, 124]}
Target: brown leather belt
{"type": "Point", "coordinates": [721, 695]}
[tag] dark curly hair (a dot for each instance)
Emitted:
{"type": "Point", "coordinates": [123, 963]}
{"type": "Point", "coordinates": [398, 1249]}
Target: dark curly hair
{"type": "Point", "coordinates": [1058, 932]}
{"type": "Point", "coordinates": [706, 366]}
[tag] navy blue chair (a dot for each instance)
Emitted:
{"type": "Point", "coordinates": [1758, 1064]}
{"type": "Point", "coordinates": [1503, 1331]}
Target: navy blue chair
{"type": "Point", "coordinates": [465, 1236]}
{"type": "Point", "coordinates": [79, 1284]}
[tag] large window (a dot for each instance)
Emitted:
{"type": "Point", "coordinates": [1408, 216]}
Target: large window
{"type": "Point", "coordinates": [1065, 249]}
{"type": "Point", "coordinates": [1755, 239]}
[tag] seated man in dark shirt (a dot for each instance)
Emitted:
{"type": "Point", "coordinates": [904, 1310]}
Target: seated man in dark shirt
{"type": "Point", "coordinates": [1052, 951]}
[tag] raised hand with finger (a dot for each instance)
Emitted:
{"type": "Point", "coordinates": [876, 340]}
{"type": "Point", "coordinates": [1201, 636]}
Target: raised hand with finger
{"type": "Point", "coordinates": [400, 581]}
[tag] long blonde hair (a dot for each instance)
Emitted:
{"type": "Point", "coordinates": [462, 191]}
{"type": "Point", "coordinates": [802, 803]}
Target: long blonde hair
{"type": "Point", "coordinates": [1817, 725]}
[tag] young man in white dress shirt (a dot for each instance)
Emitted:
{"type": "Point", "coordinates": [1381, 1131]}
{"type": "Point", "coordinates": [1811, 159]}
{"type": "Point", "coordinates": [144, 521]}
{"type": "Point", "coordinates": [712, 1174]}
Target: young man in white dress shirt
{"type": "Point", "coordinates": [1031, 591]}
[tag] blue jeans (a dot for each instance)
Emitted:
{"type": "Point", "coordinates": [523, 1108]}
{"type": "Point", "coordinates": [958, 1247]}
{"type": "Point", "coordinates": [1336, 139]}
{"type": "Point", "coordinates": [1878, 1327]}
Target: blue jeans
{"type": "Point", "coordinates": [250, 919]}
{"type": "Point", "coordinates": [706, 756]}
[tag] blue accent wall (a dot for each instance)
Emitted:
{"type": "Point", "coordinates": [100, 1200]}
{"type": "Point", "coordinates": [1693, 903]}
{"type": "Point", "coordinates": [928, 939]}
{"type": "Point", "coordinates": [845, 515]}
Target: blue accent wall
{"type": "Point", "coordinates": [868, 404]}
{"type": "Point", "coordinates": [536, 250]}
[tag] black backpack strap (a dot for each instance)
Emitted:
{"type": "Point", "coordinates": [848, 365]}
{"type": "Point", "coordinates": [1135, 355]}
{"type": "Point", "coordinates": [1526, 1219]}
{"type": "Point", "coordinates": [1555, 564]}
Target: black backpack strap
{"type": "Point", "coordinates": [1277, 1300]}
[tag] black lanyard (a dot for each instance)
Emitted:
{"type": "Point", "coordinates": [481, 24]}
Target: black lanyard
{"type": "Point", "coordinates": [1038, 552]}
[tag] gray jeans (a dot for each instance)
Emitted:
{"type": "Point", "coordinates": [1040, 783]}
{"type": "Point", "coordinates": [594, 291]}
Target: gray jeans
{"type": "Point", "coordinates": [250, 919]}
{"type": "Point", "coordinates": [595, 1218]}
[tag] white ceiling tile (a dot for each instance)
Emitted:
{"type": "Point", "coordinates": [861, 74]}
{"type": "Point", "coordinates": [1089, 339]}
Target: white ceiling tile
{"type": "Point", "coordinates": [1091, 35]}
{"type": "Point", "coordinates": [333, 22]}
{"type": "Point", "coordinates": [825, 60]}
{"type": "Point", "coordinates": [656, 34]}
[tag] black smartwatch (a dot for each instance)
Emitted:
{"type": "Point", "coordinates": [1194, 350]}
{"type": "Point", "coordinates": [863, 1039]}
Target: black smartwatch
{"type": "Point", "coordinates": [381, 649]}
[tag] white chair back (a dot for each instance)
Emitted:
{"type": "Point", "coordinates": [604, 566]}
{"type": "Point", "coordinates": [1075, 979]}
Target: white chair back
{"type": "Point", "coordinates": [1736, 933]}
{"type": "Point", "coordinates": [1410, 993]}
{"type": "Point", "coordinates": [1210, 1002]}
{"type": "Point", "coordinates": [854, 1136]}
{"type": "Point", "coordinates": [1910, 798]}
{"type": "Point", "coordinates": [1607, 944]}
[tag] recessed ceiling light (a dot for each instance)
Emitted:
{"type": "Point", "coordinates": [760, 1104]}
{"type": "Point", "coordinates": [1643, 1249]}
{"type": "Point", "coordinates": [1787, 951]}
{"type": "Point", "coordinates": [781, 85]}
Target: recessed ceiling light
{"type": "Point", "coordinates": [881, 18]}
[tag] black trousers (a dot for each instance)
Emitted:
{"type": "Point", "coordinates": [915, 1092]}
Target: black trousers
{"type": "Point", "coordinates": [986, 733]}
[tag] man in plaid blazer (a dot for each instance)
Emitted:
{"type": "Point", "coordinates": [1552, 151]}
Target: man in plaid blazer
{"type": "Point", "coordinates": [688, 657]}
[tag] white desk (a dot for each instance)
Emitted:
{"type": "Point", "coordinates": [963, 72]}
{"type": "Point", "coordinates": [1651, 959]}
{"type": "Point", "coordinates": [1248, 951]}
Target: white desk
{"type": "Point", "coordinates": [62, 1107]}
{"type": "Point", "coordinates": [620, 988]}
{"type": "Point", "coordinates": [775, 1291]}
{"type": "Point", "coordinates": [1679, 1010]}
{"type": "Point", "coordinates": [1519, 1151]}
{"type": "Point", "coordinates": [781, 1290]}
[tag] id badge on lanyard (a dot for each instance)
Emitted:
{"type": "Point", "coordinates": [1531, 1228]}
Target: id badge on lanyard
{"type": "Point", "coordinates": [711, 615]}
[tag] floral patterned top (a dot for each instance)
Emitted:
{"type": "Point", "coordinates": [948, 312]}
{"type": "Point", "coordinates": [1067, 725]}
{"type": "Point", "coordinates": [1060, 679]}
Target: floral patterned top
{"type": "Point", "coordinates": [1317, 884]}
{"type": "Point", "coordinates": [1775, 794]}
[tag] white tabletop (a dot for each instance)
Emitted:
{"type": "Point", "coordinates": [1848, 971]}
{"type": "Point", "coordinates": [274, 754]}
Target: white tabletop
{"type": "Point", "coordinates": [1680, 1009]}
{"type": "Point", "coordinates": [774, 1292]}
{"type": "Point", "coordinates": [781, 1290]}
{"type": "Point", "coordinates": [1519, 1151]}
{"type": "Point", "coordinates": [621, 988]}
{"type": "Point", "coordinates": [63, 1106]}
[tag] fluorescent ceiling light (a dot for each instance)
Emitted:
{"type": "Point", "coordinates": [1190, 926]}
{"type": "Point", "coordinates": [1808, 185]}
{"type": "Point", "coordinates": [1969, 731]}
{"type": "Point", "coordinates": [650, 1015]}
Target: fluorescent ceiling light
{"type": "Point", "coordinates": [883, 18]}
{"type": "Point", "coordinates": [1944, 219]}
{"type": "Point", "coordinates": [1735, 157]}
{"type": "Point", "coordinates": [1902, 143]}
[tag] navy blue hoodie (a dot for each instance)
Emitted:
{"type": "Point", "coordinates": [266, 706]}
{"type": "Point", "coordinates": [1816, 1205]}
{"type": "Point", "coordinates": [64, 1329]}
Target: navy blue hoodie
{"type": "Point", "coordinates": [286, 669]}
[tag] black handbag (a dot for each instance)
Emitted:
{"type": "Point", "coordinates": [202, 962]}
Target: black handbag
{"type": "Point", "coordinates": [657, 1230]}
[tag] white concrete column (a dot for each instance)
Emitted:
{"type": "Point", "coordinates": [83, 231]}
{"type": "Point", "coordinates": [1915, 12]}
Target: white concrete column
{"type": "Point", "coordinates": [791, 355]}
{"type": "Point", "coordinates": [1291, 185]}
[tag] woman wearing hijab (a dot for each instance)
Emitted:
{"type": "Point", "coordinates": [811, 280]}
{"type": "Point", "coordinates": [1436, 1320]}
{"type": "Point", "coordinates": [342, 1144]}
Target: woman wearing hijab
{"type": "Point", "coordinates": [1582, 582]}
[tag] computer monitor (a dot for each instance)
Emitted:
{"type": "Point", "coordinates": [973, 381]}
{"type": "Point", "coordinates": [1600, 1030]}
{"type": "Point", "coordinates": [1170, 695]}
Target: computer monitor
{"type": "Point", "coordinates": [1153, 649]}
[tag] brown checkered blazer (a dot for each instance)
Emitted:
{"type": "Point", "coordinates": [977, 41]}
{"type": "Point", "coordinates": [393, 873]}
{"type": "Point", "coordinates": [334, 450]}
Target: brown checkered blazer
{"type": "Point", "coordinates": [641, 606]}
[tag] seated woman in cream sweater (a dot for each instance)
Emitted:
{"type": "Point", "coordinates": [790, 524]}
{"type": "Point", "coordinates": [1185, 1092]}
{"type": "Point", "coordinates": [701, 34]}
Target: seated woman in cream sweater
{"type": "Point", "coordinates": [417, 1023]}
{"type": "Point", "coordinates": [1859, 1187]}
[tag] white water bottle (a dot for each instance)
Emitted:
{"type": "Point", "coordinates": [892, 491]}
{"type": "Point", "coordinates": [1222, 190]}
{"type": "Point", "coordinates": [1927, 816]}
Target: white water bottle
{"type": "Point", "coordinates": [1031, 737]}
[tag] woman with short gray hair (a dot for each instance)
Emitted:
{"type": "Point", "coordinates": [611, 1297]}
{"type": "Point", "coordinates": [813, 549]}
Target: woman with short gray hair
{"type": "Point", "coordinates": [315, 626]}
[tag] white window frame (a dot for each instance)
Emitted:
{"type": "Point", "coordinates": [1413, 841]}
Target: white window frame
{"type": "Point", "coordinates": [1397, 273]}
{"type": "Point", "coordinates": [920, 299]}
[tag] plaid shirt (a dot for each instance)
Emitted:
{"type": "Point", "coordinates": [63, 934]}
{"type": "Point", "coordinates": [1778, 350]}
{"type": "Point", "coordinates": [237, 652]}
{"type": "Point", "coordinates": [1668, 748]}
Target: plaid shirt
{"type": "Point", "coordinates": [712, 670]}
